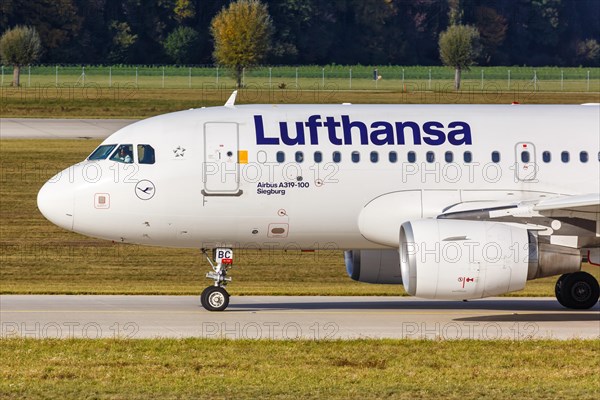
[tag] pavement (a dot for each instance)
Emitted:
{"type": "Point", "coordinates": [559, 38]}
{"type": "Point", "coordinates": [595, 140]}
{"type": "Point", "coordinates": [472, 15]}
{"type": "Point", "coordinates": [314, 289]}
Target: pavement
{"type": "Point", "coordinates": [60, 128]}
{"type": "Point", "coordinates": [292, 317]}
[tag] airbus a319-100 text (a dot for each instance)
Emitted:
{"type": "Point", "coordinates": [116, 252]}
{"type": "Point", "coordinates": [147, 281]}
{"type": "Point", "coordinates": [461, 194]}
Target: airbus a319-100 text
{"type": "Point", "coordinates": [451, 201]}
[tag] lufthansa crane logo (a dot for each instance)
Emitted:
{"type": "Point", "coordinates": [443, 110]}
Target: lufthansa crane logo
{"type": "Point", "coordinates": [145, 189]}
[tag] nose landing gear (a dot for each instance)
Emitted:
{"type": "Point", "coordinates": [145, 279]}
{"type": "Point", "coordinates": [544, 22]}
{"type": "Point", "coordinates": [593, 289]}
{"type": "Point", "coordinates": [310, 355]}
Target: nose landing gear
{"type": "Point", "coordinates": [215, 297]}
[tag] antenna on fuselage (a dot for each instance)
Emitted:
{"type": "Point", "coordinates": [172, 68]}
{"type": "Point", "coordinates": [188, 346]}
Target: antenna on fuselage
{"type": "Point", "coordinates": [231, 101]}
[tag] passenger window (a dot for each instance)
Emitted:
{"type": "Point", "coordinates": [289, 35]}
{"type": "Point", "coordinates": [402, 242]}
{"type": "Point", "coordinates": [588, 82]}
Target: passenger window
{"type": "Point", "coordinates": [145, 154]}
{"type": "Point", "coordinates": [393, 157]}
{"type": "Point", "coordinates": [496, 156]}
{"type": "Point", "coordinates": [102, 152]}
{"type": "Point", "coordinates": [124, 154]}
{"type": "Point", "coordinates": [280, 156]}
{"type": "Point", "coordinates": [318, 156]}
{"type": "Point", "coordinates": [374, 156]}
{"type": "Point", "coordinates": [546, 156]}
{"type": "Point", "coordinates": [299, 156]}
{"type": "Point", "coordinates": [412, 157]}
{"type": "Point", "coordinates": [430, 156]}
{"type": "Point", "coordinates": [355, 156]}
{"type": "Point", "coordinates": [564, 156]}
{"type": "Point", "coordinates": [449, 156]}
{"type": "Point", "coordinates": [583, 156]}
{"type": "Point", "coordinates": [337, 157]}
{"type": "Point", "coordinates": [468, 157]}
{"type": "Point", "coordinates": [525, 156]}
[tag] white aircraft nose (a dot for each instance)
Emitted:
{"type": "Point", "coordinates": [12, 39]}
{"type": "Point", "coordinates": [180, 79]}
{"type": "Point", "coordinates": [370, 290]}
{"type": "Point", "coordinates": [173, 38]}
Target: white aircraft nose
{"type": "Point", "coordinates": [56, 202]}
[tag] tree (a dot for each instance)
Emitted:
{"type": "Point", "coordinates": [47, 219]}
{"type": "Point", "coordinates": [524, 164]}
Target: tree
{"type": "Point", "coordinates": [20, 46]}
{"type": "Point", "coordinates": [184, 9]}
{"type": "Point", "coordinates": [57, 22]}
{"type": "Point", "coordinates": [122, 41]}
{"type": "Point", "coordinates": [588, 52]}
{"type": "Point", "coordinates": [459, 47]}
{"type": "Point", "coordinates": [242, 34]}
{"type": "Point", "coordinates": [182, 45]}
{"type": "Point", "coordinates": [455, 12]}
{"type": "Point", "coordinates": [492, 29]}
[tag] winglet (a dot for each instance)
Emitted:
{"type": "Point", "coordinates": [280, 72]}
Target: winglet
{"type": "Point", "coordinates": [231, 101]}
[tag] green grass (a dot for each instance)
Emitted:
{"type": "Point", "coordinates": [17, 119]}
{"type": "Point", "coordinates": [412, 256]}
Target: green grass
{"type": "Point", "coordinates": [356, 369]}
{"type": "Point", "coordinates": [39, 257]}
{"type": "Point", "coordinates": [131, 102]}
{"type": "Point", "coordinates": [310, 76]}
{"type": "Point", "coordinates": [119, 93]}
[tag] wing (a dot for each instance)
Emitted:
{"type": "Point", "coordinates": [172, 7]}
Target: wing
{"type": "Point", "coordinates": [565, 216]}
{"type": "Point", "coordinates": [587, 203]}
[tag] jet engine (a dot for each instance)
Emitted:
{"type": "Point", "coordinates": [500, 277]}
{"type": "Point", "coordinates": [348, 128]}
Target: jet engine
{"type": "Point", "coordinates": [454, 259]}
{"type": "Point", "coordinates": [374, 266]}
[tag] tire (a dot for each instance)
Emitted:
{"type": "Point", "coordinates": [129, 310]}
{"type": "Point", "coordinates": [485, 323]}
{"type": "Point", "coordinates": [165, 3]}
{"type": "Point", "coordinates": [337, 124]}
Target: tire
{"type": "Point", "coordinates": [580, 291]}
{"type": "Point", "coordinates": [203, 296]}
{"type": "Point", "coordinates": [215, 298]}
{"type": "Point", "coordinates": [558, 289]}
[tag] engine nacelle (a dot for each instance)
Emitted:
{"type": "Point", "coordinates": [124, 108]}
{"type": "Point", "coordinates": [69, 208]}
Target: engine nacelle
{"type": "Point", "coordinates": [374, 266]}
{"type": "Point", "coordinates": [453, 259]}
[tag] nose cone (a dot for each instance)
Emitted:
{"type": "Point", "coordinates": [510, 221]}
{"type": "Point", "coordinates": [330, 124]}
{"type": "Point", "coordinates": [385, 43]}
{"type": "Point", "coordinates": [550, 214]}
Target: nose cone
{"type": "Point", "coordinates": [56, 202]}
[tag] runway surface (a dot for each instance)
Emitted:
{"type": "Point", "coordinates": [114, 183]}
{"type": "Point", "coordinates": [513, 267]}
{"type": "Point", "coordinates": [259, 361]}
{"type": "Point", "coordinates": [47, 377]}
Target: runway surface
{"type": "Point", "coordinates": [270, 317]}
{"type": "Point", "coordinates": [60, 128]}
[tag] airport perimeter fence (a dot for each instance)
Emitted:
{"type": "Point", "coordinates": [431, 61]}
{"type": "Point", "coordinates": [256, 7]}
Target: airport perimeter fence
{"type": "Point", "coordinates": [404, 78]}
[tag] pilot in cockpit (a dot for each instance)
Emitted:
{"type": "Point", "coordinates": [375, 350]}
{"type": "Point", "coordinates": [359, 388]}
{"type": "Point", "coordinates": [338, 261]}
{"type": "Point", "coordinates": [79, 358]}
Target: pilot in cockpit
{"type": "Point", "coordinates": [123, 155]}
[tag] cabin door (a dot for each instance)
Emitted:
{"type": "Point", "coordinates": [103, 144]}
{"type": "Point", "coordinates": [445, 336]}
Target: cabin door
{"type": "Point", "coordinates": [221, 169]}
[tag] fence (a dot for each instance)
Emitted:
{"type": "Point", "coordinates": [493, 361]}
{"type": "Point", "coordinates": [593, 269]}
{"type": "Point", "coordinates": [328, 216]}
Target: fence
{"type": "Point", "coordinates": [409, 78]}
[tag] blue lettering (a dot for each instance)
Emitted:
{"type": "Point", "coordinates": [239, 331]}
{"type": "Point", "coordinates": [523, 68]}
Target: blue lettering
{"type": "Point", "coordinates": [415, 130]}
{"type": "Point", "coordinates": [331, 124]}
{"type": "Point", "coordinates": [287, 139]}
{"type": "Point", "coordinates": [312, 125]}
{"type": "Point", "coordinates": [260, 132]}
{"type": "Point", "coordinates": [459, 136]}
{"type": "Point", "coordinates": [382, 136]}
{"type": "Point", "coordinates": [429, 128]}
{"type": "Point", "coordinates": [378, 133]}
{"type": "Point", "coordinates": [347, 127]}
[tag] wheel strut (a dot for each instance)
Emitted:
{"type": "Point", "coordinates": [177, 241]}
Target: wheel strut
{"type": "Point", "coordinates": [215, 297]}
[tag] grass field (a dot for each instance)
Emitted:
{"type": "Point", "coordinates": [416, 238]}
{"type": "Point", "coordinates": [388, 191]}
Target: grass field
{"type": "Point", "coordinates": [130, 102]}
{"type": "Point", "coordinates": [39, 257]}
{"type": "Point", "coordinates": [357, 369]}
{"type": "Point", "coordinates": [357, 77]}
{"type": "Point", "coordinates": [136, 92]}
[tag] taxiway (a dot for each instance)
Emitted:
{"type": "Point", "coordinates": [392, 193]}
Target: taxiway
{"type": "Point", "coordinates": [269, 317]}
{"type": "Point", "coordinates": [60, 128]}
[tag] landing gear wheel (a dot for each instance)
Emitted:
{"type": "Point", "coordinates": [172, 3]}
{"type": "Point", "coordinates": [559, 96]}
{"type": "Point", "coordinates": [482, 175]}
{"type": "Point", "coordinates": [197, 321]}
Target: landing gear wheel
{"type": "Point", "coordinates": [203, 296]}
{"type": "Point", "coordinates": [559, 291]}
{"type": "Point", "coordinates": [579, 291]}
{"type": "Point", "coordinates": [214, 298]}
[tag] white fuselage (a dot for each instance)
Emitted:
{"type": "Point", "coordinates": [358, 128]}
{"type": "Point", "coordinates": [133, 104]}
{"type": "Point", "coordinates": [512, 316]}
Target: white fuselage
{"type": "Point", "coordinates": [269, 176]}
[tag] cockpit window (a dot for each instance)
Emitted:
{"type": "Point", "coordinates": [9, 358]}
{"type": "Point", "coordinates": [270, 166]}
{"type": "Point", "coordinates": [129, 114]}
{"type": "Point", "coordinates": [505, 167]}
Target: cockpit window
{"type": "Point", "coordinates": [124, 154]}
{"type": "Point", "coordinates": [145, 154]}
{"type": "Point", "coordinates": [102, 152]}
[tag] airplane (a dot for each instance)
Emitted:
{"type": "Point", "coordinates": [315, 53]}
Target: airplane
{"type": "Point", "coordinates": [454, 202]}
